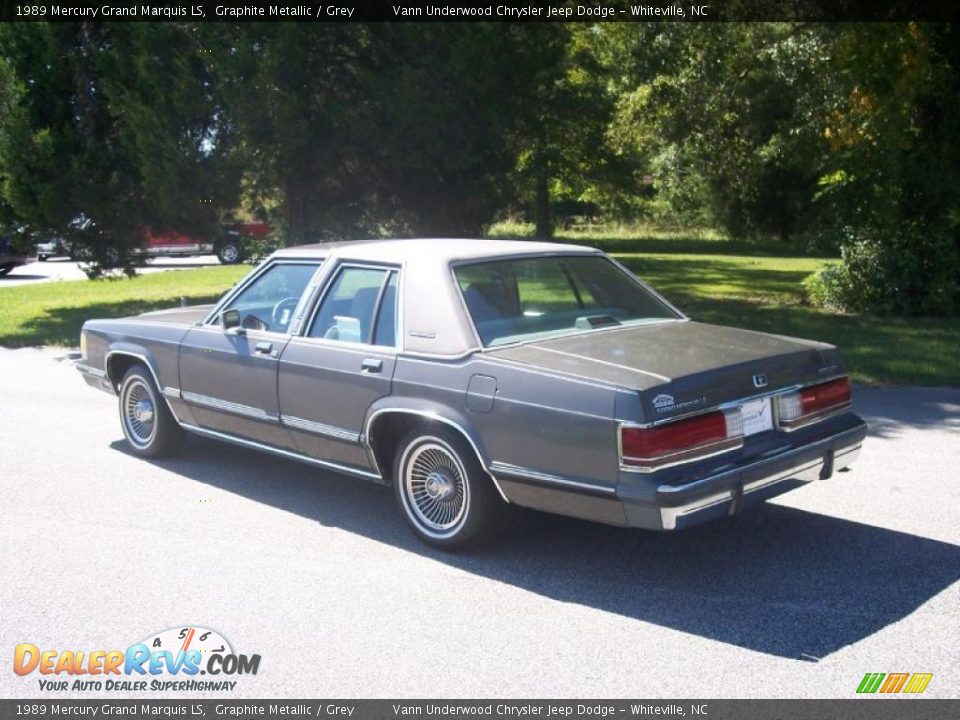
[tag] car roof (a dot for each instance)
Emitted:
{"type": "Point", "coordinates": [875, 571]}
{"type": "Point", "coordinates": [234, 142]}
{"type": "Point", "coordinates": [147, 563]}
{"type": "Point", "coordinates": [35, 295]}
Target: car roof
{"type": "Point", "coordinates": [434, 318]}
{"type": "Point", "coordinates": [442, 249]}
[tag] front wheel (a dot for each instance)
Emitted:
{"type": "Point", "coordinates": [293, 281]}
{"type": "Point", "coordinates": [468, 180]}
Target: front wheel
{"type": "Point", "coordinates": [147, 422]}
{"type": "Point", "coordinates": [446, 497]}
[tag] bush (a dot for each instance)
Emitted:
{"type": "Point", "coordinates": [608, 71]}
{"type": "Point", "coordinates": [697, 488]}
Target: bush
{"type": "Point", "coordinates": [913, 269]}
{"type": "Point", "coordinates": [829, 287]}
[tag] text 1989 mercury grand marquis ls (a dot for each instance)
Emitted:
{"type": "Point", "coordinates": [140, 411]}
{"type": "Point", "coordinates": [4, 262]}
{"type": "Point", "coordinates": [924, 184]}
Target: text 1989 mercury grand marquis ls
{"type": "Point", "coordinates": [467, 373]}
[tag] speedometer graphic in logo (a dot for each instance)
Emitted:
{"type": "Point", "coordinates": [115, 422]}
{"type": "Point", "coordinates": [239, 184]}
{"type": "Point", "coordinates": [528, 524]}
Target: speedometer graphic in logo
{"type": "Point", "coordinates": [185, 639]}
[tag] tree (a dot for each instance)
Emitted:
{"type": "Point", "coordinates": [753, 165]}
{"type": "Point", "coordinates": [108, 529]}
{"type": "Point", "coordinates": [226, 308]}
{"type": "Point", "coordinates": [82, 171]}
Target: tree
{"type": "Point", "coordinates": [116, 128]}
{"type": "Point", "coordinates": [366, 129]}
{"type": "Point", "coordinates": [891, 187]}
{"type": "Point", "coordinates": [447, 97]}
{"type": "Point", "coordinates": [560, 133]}
{"type": "Point", "coordinates": [719, 112]}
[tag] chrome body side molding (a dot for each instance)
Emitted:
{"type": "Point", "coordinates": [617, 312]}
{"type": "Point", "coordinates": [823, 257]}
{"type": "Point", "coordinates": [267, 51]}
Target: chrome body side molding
{"type": "Point", "coordinates": [230, 407]}
{"type": "Point", "coordinates": [327, 465]}
{"type": "Point", "coordinates": [522, 473]}
{"type": "Point", "coordinates": [316, 428]}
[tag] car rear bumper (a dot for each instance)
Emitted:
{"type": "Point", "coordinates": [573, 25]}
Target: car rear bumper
{"type": "Point", "coordinates": [728, 492]}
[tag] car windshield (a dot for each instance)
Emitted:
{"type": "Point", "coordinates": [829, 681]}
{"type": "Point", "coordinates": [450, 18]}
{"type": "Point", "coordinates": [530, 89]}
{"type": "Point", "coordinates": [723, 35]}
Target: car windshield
{"type": "Point", "coordinates": [525, 298]}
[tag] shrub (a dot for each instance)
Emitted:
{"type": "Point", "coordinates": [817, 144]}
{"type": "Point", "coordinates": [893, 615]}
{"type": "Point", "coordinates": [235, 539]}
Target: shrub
{"type": "Point", "coordinates": [913, 269]}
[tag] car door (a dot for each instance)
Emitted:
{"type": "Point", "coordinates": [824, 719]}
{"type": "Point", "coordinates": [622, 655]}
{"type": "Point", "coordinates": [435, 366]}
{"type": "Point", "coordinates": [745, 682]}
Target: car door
{"type": "Point", "coordinates": [340, 364]}
{"type": "Point", "coordinates": [228, 377]}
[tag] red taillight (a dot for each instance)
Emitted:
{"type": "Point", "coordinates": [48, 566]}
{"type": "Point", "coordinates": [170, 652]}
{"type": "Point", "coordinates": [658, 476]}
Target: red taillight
{"type": "Point", "coordinates": [811, 403]}
{"type": "Point", "coordinates": [679, 441]}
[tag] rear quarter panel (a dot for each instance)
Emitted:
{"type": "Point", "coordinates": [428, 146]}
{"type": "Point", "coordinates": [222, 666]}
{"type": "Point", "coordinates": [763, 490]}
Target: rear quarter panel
{"type": "Point", "coordinates": [526, 423]}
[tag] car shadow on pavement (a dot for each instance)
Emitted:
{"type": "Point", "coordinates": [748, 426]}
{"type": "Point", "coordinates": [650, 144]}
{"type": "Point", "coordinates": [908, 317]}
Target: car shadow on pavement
{"type": "Point", "coordinates": [777, 580]}
{"type": "Point", "coordinates": [894, 409]}
{"type": "Point", "coordinates": [14, 276]}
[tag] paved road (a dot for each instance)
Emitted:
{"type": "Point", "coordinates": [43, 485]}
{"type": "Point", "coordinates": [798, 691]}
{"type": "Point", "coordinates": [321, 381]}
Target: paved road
{"type": "Point", "coordinates": [318, 574]}
{"type": "Point", "coordinates": [62, 268]}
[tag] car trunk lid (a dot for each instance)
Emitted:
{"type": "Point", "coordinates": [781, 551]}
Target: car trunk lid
{"type": "Point", "coordinates": [683, 366]}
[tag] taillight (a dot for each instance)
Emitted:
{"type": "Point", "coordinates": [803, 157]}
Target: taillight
{"type": "Point", "coordinates": [680, 441]}
{"type": "Point", "coordinates": [812, 403]}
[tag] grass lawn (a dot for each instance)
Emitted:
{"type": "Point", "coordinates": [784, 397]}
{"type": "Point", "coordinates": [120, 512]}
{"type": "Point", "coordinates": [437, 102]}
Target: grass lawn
{"type": "Point", "coordinates": [707, 276]}
{"type": "Point", "coordinates": [52, 313]}
{"type": "Point", "coordinates": [766, 294]}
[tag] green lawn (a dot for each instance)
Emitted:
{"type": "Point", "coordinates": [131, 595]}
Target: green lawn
{"type": "Point", "coordinates": [52, 313]}
{"type": "Point", "coordinates": [766, 294]}
{"type": "Point", "coordinates": [703, 275]}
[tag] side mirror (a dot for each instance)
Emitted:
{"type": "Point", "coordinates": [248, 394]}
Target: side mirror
{"type": "Point", "coordinates": [230, 319]}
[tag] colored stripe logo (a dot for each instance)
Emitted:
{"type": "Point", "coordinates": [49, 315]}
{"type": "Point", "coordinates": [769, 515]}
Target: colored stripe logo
{"type": "Point", "coordinates": [892, 683]}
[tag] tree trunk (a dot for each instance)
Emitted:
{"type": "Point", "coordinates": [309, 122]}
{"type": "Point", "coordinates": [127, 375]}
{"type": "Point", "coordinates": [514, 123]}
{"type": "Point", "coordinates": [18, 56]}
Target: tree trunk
{"type": "Point", "coordinates": [544, 224]}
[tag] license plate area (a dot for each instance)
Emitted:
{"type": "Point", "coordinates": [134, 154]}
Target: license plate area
{"type": "Point", "coordinates": [757, 416]}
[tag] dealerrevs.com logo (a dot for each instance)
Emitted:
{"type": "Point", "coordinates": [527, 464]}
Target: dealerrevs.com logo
{"type": "Point", "coordinates": [165, 661]}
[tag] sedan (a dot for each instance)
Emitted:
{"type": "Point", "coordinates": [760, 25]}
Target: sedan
{"type": "Point", "coordinates": [471, 374]}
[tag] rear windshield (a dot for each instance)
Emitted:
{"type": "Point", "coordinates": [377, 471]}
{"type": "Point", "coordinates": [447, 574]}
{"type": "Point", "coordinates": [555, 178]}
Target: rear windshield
{"type": "Point", "coordinates": [520, 299]}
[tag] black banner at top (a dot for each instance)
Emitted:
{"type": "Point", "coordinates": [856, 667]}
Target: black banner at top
{"type": "Point", "coordinates": [513, 11]}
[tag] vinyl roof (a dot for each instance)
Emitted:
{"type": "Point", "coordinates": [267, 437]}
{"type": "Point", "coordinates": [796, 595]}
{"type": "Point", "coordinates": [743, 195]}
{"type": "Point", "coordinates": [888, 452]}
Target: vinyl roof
{"type": "Point", "coordinates": [434, 316]}
{"type": "Point", "coordinates": [442, 249]}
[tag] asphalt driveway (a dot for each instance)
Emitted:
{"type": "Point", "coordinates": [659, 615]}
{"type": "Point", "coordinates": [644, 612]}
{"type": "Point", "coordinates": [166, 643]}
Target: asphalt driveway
{"type": "Point", "coordinates": [318, 574]}
{"type": "Point", "coordinates": [63, 268]}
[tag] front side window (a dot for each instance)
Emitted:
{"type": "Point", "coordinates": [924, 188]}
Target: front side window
{"type": "Point", "coordinates": [359, 307]}
{"type": "Point", "coordinates": [520, 299]}
{"type": "Point", "coordinates": [269, 301]}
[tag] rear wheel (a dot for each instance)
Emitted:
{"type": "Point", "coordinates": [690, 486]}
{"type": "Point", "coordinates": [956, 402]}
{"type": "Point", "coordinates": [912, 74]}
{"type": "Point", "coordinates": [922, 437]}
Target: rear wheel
{"type": "Point", "coordinates": [147, 422]}
{"type": "Point", "coordinates": [446, 497]}
{"type": "Point", "coordinates": [4, 269]}
{"type": "Point", "coordinates": [229, 253]}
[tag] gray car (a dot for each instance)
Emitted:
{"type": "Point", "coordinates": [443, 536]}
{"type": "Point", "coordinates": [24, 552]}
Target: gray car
{"type": "Point", "coordinates": [468, 374]}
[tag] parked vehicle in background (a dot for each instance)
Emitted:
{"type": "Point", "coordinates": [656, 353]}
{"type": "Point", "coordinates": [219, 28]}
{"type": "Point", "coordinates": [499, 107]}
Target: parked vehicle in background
{"type": "Point", "coordinates": [469, 373]}
{"type": "Point", "coordinates": [11, 258]}
{"type": "Point", "coordinates": [234, 244]}
{"type": "Point", "coordinates": [231, 246]}
{"type": "Point", "coordinates": [52, 248]}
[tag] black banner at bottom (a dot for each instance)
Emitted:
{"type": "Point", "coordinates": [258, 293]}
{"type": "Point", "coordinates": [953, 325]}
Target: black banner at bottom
{"type": "Point", "coordinates": [853, 709]}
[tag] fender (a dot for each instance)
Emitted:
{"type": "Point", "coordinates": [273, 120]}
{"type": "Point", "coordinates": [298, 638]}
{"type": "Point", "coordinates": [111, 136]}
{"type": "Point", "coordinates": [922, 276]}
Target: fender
{"type": "Point", "coordinates": [142, 354]}
{"type": "Point", "coordinates": [430, 411]}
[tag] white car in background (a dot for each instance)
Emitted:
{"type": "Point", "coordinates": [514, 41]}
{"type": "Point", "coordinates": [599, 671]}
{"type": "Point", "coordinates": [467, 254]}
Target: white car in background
{"type": "Point", "coordinates": [51, 248]}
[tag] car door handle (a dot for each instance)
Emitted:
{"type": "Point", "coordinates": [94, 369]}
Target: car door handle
{"type": "Point", "coordinates": [370, 365]}
{"type": "Point", "coordinates": [264, 348]}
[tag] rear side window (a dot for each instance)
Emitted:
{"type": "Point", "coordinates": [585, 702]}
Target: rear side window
{"type": "Point", "coordinates": [359, 307]}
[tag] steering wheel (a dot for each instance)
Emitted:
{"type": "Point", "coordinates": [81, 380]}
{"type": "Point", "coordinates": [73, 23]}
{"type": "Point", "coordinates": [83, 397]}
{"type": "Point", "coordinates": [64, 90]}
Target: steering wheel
{"type": "Point", "coordinates": [277, 315]}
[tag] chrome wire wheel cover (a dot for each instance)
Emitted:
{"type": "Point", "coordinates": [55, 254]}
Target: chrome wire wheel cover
{"type": "Point", "coordinates": [436, 493]}
{"type": "Point", "coordinates": [230, 253]}
{"type": "Point", "coordinates": [139, 413]}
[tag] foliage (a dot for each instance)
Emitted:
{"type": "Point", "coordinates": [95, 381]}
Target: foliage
{"type": "Point", "coordinates": [715, 111]}
{"type": "Point", "coordinates": [890, 189]}
{"type": "Point", "coordinates": [830, 135]}
{"type": "Point", "coordinates": [906, 269]}
{"type": "Point", "coordinates": [115, 130]}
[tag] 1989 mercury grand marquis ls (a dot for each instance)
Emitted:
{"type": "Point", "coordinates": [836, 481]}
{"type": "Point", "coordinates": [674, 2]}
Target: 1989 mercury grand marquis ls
{"type": "Point", "coordinates": [469, 373]}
